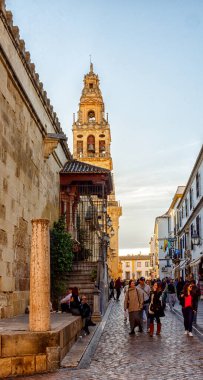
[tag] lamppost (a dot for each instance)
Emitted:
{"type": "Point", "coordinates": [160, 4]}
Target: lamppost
{"type": "Point", "coordinates": [195, 238]}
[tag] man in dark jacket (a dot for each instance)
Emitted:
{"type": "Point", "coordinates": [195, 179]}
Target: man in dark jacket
{"type": "Point", "coordinates": [111, 288]}
{"type": "Point", "coordinates": [180, 286]}
{"type": "Point", "coordinates": [85, 313]}
{"type": "Point", "coordinates": [196, 293]}
{"type": "Point", "coordinates": [118, 285]}
{"type": "Point", "coordinates": [171, 291]}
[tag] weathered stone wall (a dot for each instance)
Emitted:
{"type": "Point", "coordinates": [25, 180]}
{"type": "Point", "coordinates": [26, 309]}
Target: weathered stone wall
{"type": "Point", "coordinates": [29, 182]}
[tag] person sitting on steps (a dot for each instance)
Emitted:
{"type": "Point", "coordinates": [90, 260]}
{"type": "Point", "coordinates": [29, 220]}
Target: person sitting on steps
{"type": "Point", "coordinates": [65, 302]}
{"type": "Point", "coordinates": [85, 313]}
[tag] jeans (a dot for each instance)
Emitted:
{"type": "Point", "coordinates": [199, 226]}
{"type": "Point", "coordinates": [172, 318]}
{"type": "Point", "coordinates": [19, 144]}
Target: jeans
{"type": "Point", "coordinates": [111, 294]}
{"type": "Point", "coordinates": [146, 309]}
{"type": "Point", "coordinates": [171, 300]}
{"type": "Point", "coordinates": [188, 318]}
{"type": "Point", "coordinates": [154, 316]}
{"type": "Point", "coordinates": [118, 292]}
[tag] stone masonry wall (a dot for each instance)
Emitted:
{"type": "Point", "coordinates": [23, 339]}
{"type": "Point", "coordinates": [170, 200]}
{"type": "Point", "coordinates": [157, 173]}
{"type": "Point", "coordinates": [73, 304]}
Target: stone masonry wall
{"type": "Point", "coordinates": [29, 182]}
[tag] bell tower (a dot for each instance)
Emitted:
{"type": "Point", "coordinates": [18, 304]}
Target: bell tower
{"type": "Point", "coordinates": [91, 131]}
{"type": "Point", "coordinates": [91, 144]}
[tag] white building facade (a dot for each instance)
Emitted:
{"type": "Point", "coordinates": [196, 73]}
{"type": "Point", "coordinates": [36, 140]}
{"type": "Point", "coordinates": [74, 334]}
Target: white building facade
{"type": "Point", "coordinates": [178, 234]}
{"type": "Point", "coordinates": [161, 236]}
{"type": "Point", "coordinates": [190, 223]}
{"type": "Point", "coordinates": [135, 266]}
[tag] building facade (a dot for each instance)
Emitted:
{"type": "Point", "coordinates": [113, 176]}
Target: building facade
{"type": "Point", "coordinates": [135, 266]}
{"type": "Point", "coordinates": [154, 259]}
{"type": "Point", "coordinates": [178, 240]}
{"type": "Point", "coordinates": [189, 225]}
{"type": "Point", "coordinates": [160, 239]}
{"type": "Point", "coordinates": [91, 144]}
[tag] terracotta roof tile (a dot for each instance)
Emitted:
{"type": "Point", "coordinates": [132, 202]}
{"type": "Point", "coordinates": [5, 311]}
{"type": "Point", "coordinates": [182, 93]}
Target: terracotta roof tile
{"type": "Point", "coordinates": [75, 166]}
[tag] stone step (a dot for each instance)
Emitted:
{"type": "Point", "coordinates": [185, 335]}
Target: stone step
{"type": "Point", "coordinates": [81, 283]}
{"type": "Point", "coordinates": [85, 267]}
{"type": "Point", "coordinates": [79, 275]}
{"type": "Point", "coordinates": [83, 288]}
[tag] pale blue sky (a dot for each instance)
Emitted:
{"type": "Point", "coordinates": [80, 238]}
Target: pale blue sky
{"type": "Point", "coordinates": [149, 57]}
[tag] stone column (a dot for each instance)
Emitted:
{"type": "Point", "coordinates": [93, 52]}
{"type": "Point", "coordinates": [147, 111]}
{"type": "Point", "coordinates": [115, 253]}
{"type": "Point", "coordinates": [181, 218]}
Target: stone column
{"type": "Point", "coordinates": [39, 317]}
{"type": "Point", "coordinates": [96, 315]}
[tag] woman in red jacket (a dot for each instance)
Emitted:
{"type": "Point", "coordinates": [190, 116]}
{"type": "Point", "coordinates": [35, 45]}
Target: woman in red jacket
{"type": "Point", "coordinates": [188, 304]}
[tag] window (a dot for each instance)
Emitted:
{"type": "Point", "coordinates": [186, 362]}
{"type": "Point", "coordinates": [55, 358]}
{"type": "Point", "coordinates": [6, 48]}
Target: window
{"type": "Point", "coordinates": [91, 116]}
{"type": "Point", "coordinates": [180, 219]}
{"type": "Point", "coordinates": [198, 225]}
{"type": "Point", "coordinates": [146, 273]}
{"type": "Point", "coordinates": [79, 147]}
{"type": "Point", "coordinates": [102, 148]}
{"type": "Point", "coordinates": [139, 264]}
{"type": "Point", "coordinates": [197, 185]}
{"type": "Point", "coordinates": [186, 207]}
{"type": "Point", "coordinates": [181, 247]}
{"type": "Point", "coordinates": [127, 275]}
{"type": "Point", "coordinates": [91, 85]}
{"type": "Point", "coordinates": [146, 263]}
{"type": "Point", "coordinates": [91, 144]}
{"type": "Point", "coordinates": [127, 264]}
{"type": "Point", "coordinates": [191, 198]}
{"type": "Point", "coordinates": [191, 233]}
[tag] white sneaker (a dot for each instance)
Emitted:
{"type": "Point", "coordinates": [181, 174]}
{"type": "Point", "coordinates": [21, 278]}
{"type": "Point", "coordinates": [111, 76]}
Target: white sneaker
{"type": "Point", "coordinates": [190, 334]}
{"type": "Point", "coordinates": [186, 332]}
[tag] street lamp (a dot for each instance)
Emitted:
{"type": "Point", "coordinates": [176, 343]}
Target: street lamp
{"type": "Point", "coordinates": [195, 238]}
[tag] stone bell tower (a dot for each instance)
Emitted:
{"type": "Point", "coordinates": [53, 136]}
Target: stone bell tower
{"type": "Point", "coordinates": [91, 131]}
{"type": "Point", "coordinates": [91, 144]}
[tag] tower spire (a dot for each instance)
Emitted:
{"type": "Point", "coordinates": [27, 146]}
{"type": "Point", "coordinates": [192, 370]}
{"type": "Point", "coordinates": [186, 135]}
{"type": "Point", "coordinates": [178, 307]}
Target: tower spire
{"type": "Point", "coordinates": [91, 64]}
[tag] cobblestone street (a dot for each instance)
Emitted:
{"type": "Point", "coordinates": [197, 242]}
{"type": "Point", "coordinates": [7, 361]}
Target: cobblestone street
{"type": "Point", "coordinates": [120, 356]}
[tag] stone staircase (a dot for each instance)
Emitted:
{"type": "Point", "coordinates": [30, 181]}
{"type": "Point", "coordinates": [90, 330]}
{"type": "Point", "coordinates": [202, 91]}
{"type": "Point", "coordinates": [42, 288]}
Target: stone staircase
{"type": "Point", "coordinates": [81, 277]}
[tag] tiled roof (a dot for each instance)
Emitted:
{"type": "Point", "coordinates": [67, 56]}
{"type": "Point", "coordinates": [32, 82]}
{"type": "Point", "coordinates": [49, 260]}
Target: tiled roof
{"type": "Point", "coordinates": [75, 166]}
{"type": "Point", "coordinates": [134, 257]}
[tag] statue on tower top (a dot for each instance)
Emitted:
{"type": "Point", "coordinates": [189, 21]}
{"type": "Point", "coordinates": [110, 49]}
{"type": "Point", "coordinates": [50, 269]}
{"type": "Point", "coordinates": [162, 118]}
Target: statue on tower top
{"type": "Point", "coordinates": [91, 67]}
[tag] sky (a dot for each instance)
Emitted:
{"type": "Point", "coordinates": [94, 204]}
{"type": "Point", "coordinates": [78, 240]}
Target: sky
{"type": "Point", "coordinates": [149, 58]}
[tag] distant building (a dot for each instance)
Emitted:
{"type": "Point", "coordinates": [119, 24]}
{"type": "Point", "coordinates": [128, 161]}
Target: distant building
{"type": "Point", "coordinates": [135, 266]}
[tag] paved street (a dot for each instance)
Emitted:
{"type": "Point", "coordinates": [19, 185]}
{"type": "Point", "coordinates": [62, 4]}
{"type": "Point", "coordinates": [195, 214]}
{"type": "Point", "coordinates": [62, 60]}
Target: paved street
{"type": "Point", "coordinates": [120, 356]}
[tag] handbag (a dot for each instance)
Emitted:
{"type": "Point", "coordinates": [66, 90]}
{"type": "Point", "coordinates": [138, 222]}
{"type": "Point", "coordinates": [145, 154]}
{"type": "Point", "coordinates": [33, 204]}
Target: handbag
{"type": "Point", "coordinates": [151, 306]}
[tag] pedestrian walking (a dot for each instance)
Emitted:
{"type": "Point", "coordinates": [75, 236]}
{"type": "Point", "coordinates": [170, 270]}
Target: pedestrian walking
{"type": "Point", "coordinates": [118, 285]}
{"type": "Point", "coordinates": [125, 289]}
{"type": "Point", "coordinates": [134, 304]}
{"type": "Point", "coordinates": [180, 286]}
{"type": "Point", "coordinates": [196, 293]}
{"type": "Point", "coordinates": [171, 291]}
{"type": "Point", "coordinates": [155, 309]}
{"type": "Point", "coordinates": [111, 289]}
{"type": "Point", "coordinates": [188, 308]}
{"type": "Point", "coordinates": [145, 289]}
